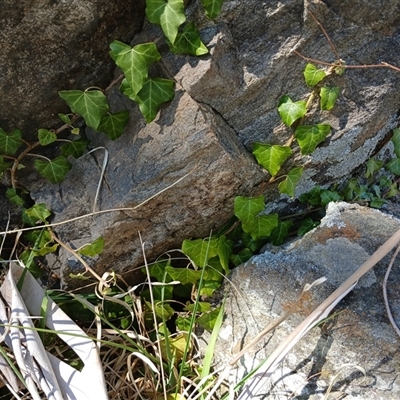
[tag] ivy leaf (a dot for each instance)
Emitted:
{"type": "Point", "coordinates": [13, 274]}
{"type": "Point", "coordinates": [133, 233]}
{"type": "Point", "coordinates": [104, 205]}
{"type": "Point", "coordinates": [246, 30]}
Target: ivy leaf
{"type": "Point", "coordinates": [157, 270]}
{"type": "Point", "coordinates": [13, 197]}
{"type": "Point", "coordinates": [200, 251]}
{"type": "Point", "coordinates": [377, 202]}
{"type": "Point", "coordinates": [393, 166]}
{"type": "Point", "coordinates": [201, 306]}
{"type": "Point", "coordinates": [92, 249]}
{"type": "Point", "coordinates": [271, 157]}
{"type": "Point", "coordinates": [53, 170]}
{"type": "Point", "coordinates": [209, 287]}
{"type": "Point", "coordinates": [134, 62]}
{"type": "Point", "coordinates": [65, 118]}
{"type": "Point", "coordinates": [373, 166]}
{"type": "Point", "coordinates": [113, 125]}
{"type": "Point", "coordinates": [307, 225]}
{"type": "Point", "coordinates": [4, 164]}
{"type": "Point", "coordinates": [74, 148]}
{"type": "Point", "coordinates": [46, 137]}
{"type": "Point", "coordinates": [90, 104]}
{"type": "Point", "coordinates": [9, 143]}
{"type": "Point", "coordinates": [309, 137]}
{"type": "Point", "coordinates": [288, 186]}
{"type": "Point", "coordinates": [290, 111]}
{"type": "Point", "coordinates": [313, 75]}
{"type": "Point", "coordinates": [183, 275]}
{"type": "Point", "coordinates": [170, 15]}
{"type": "Point", "coordinates": [247, 208]}
{"type": "Point", "coordinates": [329, 96]}
{"type": "Point", "coordinates": [241, 257]}
{"type": "Point", "coordinates": [188, 42]}
{"type": "Point", "coordinates": [396, 141]}
{"type": "Point", "coordinates": [327, 196]}
{"type": "Point", "coordinates": [261, 226]}
{"type": "Point", "coordinates": [224, 250]}
{"type": "Point", "coordinates": [162, 310]}
{"type": "Point", "coordinates": [37, 213]}
{"type": "Point", "coordinates": [279, 234]}
{"type": "Point", "coordinates": [207, 320]}
{"type": "Point", "coordinates": [212, 7]}
{"type": "Point", "coordinates": [313, 197]}
{"type": "Point", "coordinates": [153, 93]}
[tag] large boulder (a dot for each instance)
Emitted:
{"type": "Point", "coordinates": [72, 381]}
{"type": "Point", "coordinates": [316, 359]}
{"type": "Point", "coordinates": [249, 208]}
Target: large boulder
{"type": "Point", "coordinates": [225, 102]}
{"type": "Point", "coordinates": [358, 336]}
{"type": "Point", "coordinates": [47, 46]}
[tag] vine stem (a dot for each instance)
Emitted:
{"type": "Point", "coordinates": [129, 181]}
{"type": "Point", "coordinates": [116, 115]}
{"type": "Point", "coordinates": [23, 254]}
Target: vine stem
{"type": "Point", "coordinates": [32, 146]}
{"type": "Point", "coordinates": [78, 256]}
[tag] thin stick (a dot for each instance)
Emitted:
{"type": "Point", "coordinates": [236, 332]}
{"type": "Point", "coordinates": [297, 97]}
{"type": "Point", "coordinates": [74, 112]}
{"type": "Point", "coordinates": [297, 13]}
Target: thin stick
{"type": "Point", "coordinates": [327, 37]}
{"type": "Point", "coordinates": [354, 66]}
{"type": "Point", "coordinates": [102, 211]}
{"type": "Point", "coordinates": [384, 288]}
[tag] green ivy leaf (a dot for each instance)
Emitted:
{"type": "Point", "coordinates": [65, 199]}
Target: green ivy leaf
{"type": "Point", "coordinates": [349, 192]}
{"type": "Point", "coordinates": [291, 111]}
{"type": "Point", "coordinates": [134, 62]}
{"type": "Point", "coordinates": [13, 197]}
{"type": "Point", "coordinates": [241, 257]}
{"type": "Point", "coordinates": [92, 249]}
{"type": "Point", "coordinates": [4, 164]}
{"type": "Point", "coordinates": [212, 7]}
{"type": "Point", "coordinates": [250, 243]}
{"type": "Point", "coordinates": [209, 287]}
{"type": "Point", "coordinates": [37, 213]}
{"type": "Point", "coordinates": [288, 186]}
{"type": "Point", "coordinates": [279, 234]}
{"type": "Point", "coordinates": [329, 96]}
{"type": "Point", "coordinates": [90, 104]}
{"type": "Point", "coordinates": [200, 251]}
{"type": "Point", "coordinates": [207, 320]}
{"type": "Point", "coordinates": [46, 137]}
{"type": "Point", "coordinates": [9, 143]}
{"type": "Point", "coordinates": [65, 118]}
{"type": "Point", "coordinates": [74, 148]}
{"type": "Point", "coordinates": [393, 166]}
{"type": "Point", "coordinates": [214, 270]}
{"type": "Point", "coordinates": [247, 208]}
{"type": "Point", "coordinates": [183, 275]}
{"type": "Point", "coordinates": [162, 310]}
{"type": "Point", "coordinates": [75, 131]}
{"type": "Point", "coordinates": [183, 323]}
{"type": "Point", "coordinates": [373, 166]}
{"type": "Point", "coordinates": [169, 14]}
{"type": "Point", "coordinates": [157, 270]}
{"type": "Point", "coordinates": [313, 197]}
{"type": "Point", "coordinates": [113, 125]}
{"type": "Point", "coordinates": [153, 93]}
{"type": "Point", "coordinates": [53, 170]}
{"type": "Point", "coordinates": [377, 202]}
{"type": "Point", "coordinates": [313, 75]}
{"type": "Point", "coordinates": [188, 42]}
{"type": "Point", "coordinates": [396, 141]}
{"type": "Point", "coordinates": [271, 157]}
{"type": "Point", "coordinates": [327, 196]}
{"type": "Point", "coordinates": [309, 137]}
{"type": "Point", "coordinates": [261, 226]}
{"type": "Point", "coordinates": [225, 248]}
{"type": "Point", "coordinates": [307, 225]}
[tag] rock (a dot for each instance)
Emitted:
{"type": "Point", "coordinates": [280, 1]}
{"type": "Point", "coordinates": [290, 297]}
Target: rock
{"type": "Point", "coordinates": [252, 64]}
{"type": "Point", "coordinates": [143, 162]}
{"type": "Point", "coordinates": [360, 334]}
{"type": "Point", "coordinates": [49, 46]}
{"type": "Point", "coordinates": [233, 95]}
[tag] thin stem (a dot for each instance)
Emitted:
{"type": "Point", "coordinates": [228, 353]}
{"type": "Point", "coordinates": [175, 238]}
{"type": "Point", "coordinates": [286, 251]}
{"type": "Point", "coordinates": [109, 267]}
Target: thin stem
{"type": "Point", "coordinates": [39, 156]}
{"type": "Point", "coordinates": [78, 256]}
{"type": "Point", "coordinates": [327, 37]}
